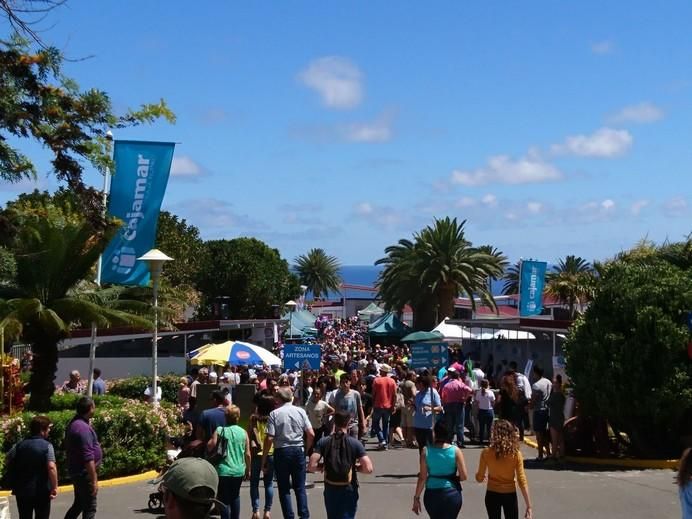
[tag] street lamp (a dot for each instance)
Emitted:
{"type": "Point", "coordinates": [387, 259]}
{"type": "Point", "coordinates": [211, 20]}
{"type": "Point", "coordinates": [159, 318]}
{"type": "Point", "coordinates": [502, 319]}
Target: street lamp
{"type": "Point", "coordinates": [291, 305]}
{"type": "Point", "coordinates": [155, 260]}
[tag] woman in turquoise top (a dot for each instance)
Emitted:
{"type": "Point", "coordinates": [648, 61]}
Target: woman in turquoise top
{"type": "Point", "coordinates": [235, 466]}
{"type": "Point", "coordinates": [442, 469]}
{"type": "Point", "coordinates": [684, 481]}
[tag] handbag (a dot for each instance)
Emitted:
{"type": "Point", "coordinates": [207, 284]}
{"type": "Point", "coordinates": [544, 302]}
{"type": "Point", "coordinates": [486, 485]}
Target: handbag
{"type": "Point", "coordinates": [219, 453]}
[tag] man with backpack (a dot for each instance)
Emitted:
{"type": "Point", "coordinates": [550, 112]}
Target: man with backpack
{"type": "Point", "coordinates": [342, 456]}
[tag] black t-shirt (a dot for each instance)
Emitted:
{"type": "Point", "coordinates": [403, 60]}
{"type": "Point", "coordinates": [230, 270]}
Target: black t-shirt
{"type": "Point", "coordinates": [356, 448]}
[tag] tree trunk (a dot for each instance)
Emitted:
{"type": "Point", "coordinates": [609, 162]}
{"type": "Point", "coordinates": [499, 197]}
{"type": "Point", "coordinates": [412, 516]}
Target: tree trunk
{"type": "Point", "coordinates": [424, 316]}
{"type": "Point", "coordinates": [41, 383]}
{"type": "Point", "coordinates": [445, 298]}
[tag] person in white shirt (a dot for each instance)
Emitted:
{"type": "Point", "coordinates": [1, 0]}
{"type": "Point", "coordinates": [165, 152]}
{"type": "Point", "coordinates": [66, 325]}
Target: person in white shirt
{"type": "Point", "coordinates": [524, 387]}
{"type": "Point", "coordinates": [485, 400]}
{"type": "Point", "coordinates": [148, 392]}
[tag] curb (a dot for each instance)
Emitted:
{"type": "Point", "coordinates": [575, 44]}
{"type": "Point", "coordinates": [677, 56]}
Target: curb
{"type": "Point", "coordinates": [115, 482]}
{"type": "Point", "coordinates": [614, 462]}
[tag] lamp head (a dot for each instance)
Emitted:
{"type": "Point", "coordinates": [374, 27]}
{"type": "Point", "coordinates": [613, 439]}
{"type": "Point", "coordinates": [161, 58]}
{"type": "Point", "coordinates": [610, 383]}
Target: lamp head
{"type": "Point", "coordinates": [291, 305]}
{"type": "Point", "coordinates": [155, 259]}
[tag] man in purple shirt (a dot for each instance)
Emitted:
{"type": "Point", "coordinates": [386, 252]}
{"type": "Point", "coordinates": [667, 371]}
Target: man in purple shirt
{"type": "Point", "coordinates": [83, 458]}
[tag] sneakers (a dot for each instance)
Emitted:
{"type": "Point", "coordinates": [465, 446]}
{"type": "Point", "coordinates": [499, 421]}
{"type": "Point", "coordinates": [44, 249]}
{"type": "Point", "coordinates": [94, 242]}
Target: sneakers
{"type": "Point", "coordinates": [382, 446]}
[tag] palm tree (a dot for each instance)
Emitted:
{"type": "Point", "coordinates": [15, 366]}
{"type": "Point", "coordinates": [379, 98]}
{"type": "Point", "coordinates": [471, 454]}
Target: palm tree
{"type": "Point", "coordinates": [571, 282]}
{"type": "Point", "coordinates": [53, 257]}
{"type": "Point", "coordinates": [435, 268]}
{"type": "Point", "coordinates": [499, 256]}
{"type": "Point", "coordinates": [319, 272]}
{"type": "Point", "coordinates": [451, 266]}
{"type": "Point", "coordinates": [399, 283]}
{"type": "Point", "coordinates": [511, 277]}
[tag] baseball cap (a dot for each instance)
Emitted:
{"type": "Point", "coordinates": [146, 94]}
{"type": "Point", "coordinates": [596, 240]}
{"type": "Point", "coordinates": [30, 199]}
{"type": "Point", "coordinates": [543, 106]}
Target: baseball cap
{"type": "Point", "coordinates": [186, 475]}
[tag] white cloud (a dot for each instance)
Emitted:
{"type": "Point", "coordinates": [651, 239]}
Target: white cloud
{"type": "Point", "coordinates": [511, 216]}
{"type": "Point", "coordinates": [608, 204]}
{"type": "Point", "coordinates": [676, 206]}
{"type": "Point", "coordinates": [466, 201]}
{"type": "Point", "coordinates": [490, 200]}
{"type": "Point", "coordinates": [214, 214]}
{"type": "Point", "coordinates": [604, 142]}
{"type": "Point", "coordinates": [184, 167]}
{"type": "Point", "coordinates": [637, 206]}
{"type": "Point", "coordinates": [379, 130]}
{"type": "Point", "coordinates": [639, 113]}
{"type": "Point", "coordinates": [337, 80]}
{"type": "Point", "coordinates": [364, 209]}
{"type": "Point", "coordinates": [603, 47]}
{"type": "Point", "coordinates": [381, 216]}
{"type": "Point", "coordinates": [534, 207]}
{"type": "Point", "coordinates": [504, 170]}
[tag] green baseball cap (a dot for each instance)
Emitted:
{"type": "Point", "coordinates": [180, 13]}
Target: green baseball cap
{"type": "Point", "coordinates": [188, 474]}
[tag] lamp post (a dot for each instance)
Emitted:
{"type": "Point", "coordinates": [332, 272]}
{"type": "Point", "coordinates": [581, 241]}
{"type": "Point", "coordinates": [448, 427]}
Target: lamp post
{"type": "Point", "coordinates": [155, 260]}
{"type": "Point", "coordinates": [291, 305]}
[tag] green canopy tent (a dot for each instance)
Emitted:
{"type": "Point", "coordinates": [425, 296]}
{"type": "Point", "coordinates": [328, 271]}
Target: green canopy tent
{"type": "Point", "coordinates": [389, 325]}
{"type": "Point", "coordinates": [303, 321]}
{"type": "Point", "coordinates": [370, 312]}
{"type": "Point", "coordinates": [423, 337]}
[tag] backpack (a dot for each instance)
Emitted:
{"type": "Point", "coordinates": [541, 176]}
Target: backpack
{"type": "Point", "coordinates": [219, 453]}
{"type": "Point", "coordinates": [338, 460]}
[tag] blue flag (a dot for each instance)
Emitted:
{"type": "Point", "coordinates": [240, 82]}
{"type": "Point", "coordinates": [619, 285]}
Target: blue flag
{"type": "Point", "coordinates": [137, 189]}
{"type": "Point", "coordinates": [531, 283]}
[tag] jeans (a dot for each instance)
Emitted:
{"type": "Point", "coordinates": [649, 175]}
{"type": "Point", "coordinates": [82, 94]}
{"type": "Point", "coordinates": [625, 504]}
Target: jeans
{"type": "Point", "coordinates": [442, 503]}
{"type": "Point", "coordinates": [454, 414]}
{"type": "Point", "coordinates": [30, 505]}
{"type": "Point", "coordinates": [229, 495]}
{"type": "Point", "coordinates": [380, 424]}
{"type": "Point", "coordinates": [468, 409]}
{"type": "Point", "coordinates": [84, 502]}
{"type": "Point", "coordinates": [268, 478]}
{"type": "Point", "coordinates": [289, 464]}
{"type": "Point", "coordinates": [340, 502]}
{"type": "Point", "coordinates": [485, 422]}
{"type": "Point", "coordinates": [495, 502]}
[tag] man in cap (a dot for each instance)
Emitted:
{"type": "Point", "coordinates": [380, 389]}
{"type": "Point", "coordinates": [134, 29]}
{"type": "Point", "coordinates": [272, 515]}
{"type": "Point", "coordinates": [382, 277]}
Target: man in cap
{"type": "Point", "coordinates": [384, 400]}
{"type": "Point", "coordinates": [189, 489]}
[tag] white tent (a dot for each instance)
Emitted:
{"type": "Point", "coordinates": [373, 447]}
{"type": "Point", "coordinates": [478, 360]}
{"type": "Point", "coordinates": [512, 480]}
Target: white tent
{"type": "Point", "coordinates": [452, 332]}
{"type": "Point", "coordinates": [513, 334]}
{"type": "Point", "coordinates": [481, 335]}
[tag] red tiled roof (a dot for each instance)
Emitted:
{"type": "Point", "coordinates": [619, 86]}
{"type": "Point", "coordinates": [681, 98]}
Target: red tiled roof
{"type": "Point", "coordinates": [503, 311]}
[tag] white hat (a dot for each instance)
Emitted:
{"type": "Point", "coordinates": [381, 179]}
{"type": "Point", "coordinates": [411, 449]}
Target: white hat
{"type": "Point", "coordinates": [213, 375]}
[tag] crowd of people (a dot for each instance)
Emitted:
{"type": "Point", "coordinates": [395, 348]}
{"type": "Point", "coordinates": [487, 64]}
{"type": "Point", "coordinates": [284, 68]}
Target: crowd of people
{"type": "Point", "coordinates": [320, 421]}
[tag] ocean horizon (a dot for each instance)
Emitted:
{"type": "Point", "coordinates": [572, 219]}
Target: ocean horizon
{"type": "Point", "coordinates": [366, 275]}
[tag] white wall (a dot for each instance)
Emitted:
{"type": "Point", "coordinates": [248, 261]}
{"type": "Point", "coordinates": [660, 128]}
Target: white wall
{"type": "Point", "coordinates": [117, 367]}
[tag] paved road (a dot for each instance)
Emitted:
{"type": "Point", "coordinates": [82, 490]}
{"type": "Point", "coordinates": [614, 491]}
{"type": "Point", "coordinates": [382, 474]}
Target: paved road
{"type": "Point", "coordinates": [573, 493]}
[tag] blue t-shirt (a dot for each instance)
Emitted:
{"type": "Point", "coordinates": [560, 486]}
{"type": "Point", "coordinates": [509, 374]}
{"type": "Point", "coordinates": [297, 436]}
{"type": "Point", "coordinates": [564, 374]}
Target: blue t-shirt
{"type": "Point", "coordinates": [686, 500]}
{"type": "Point", "coordinates": [99, 387]}
{"type": "Point", "coordinates": [423, 420]}
{"type": "Point", "coordinates": [441, 462]}
{"type": "Point", "coordinates": [211, 419]}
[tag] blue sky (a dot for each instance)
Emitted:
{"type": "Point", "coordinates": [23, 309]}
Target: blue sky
{"type": "Point", "coordinates": [553, 129]}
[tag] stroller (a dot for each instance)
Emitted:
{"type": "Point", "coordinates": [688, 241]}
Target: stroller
{"type": "Point", "coordinates": [193, 449]}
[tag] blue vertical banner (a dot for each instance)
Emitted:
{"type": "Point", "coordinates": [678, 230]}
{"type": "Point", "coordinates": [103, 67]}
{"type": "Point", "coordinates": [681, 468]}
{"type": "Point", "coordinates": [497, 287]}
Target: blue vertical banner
{"type": "Point", "coordinates": [137, 189]}
{"type": "Point", "coordinates": [531, 283]}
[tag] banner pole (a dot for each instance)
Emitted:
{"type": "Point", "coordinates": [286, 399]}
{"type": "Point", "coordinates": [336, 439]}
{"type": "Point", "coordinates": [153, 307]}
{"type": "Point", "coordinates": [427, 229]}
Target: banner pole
{"type": "Point", "coordinates": [94, 331]}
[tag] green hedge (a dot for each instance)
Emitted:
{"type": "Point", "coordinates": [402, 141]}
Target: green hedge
{"type": "Point", "coordinates": [134, 387]}
{"type": "Point", "coordinates": [132, 434]}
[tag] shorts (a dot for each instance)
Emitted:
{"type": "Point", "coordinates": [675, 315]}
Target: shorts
{"type": "Point", "coordinates": [540, 421]}
{"type": "Point", "coordinates": [407, 417]}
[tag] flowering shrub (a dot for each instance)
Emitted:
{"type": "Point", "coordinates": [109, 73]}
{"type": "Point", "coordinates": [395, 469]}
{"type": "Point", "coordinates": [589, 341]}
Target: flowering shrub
{"type": "Point", "coordinates": [133, 436]}
{"type": "Point", "coordinates": [133, 387]}
{"type": "Point", "coordinates": [68, 401]}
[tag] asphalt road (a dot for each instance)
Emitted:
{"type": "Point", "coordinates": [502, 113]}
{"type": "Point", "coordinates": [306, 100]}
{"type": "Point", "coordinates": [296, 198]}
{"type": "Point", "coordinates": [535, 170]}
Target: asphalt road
{"type": "Point", "coordinates": [572, 493]}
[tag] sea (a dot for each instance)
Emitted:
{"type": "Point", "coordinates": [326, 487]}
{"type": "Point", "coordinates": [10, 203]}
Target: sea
{"type": "Point", "coordinates": [366, 275]}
